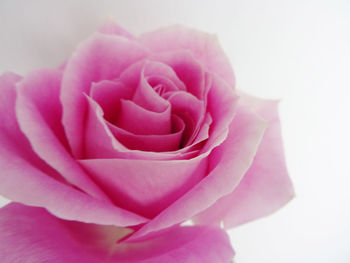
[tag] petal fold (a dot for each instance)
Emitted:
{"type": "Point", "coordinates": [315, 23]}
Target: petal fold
{"type": "Point", "coordinates": [102, 57]}
{"type": "Point", "coordinates": [153, 142]}
{"type": "Point", "coordinates": [227, 165]}
{"type": "Point", "coordinates": [108, 95]}
{"type": "Point", "coordinates": [25, 178]}
{"type": "Point", "coordinates": [138, 120]}
{"type": "Point", "coordinates": [39, 115]}
{"type": "Point", "coordinates": [266, 186]}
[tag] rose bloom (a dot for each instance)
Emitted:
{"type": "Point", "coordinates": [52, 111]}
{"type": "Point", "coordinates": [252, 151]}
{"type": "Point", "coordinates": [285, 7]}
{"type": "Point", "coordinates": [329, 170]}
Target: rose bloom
{"type": "Point", "coordinates": [106, 156]}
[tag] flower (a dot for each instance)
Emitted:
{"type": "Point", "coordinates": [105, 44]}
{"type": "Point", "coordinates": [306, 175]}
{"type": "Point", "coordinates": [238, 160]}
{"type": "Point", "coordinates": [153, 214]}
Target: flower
{"type": "Point", "coordinates": [128, 139]}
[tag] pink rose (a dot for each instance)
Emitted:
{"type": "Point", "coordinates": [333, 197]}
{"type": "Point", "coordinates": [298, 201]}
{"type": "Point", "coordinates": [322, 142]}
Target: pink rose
{"type": "Point", "coordinates": [131, 137]}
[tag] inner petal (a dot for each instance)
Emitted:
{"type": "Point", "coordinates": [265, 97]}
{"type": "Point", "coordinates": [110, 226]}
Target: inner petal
{"type": "Point", "coordinates": [148, 98]}
{"type": "Point", "coordinates": [191, 111]}
{"type": "Point", "coordinates": [108, 95]}
{"type": "Point", "coordinates": [101, 143]}
{"type": "Point", "coordinates": [188, 69]}
{"type": "Point", "coordinates": [138, 120]}
{"type": "Point", "coordinates": [159, 69]}
{"type": "Point", "coordinates": [203, 132]}
{"type": "Point", "coordinates": [155, 142]}
{"type": "Point", "coordinates": [162, 85]}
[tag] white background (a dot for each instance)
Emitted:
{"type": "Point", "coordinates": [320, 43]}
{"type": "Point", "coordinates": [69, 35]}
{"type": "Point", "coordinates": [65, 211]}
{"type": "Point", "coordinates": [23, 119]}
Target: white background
{"type": "Point", "coordinates": [294, 50]}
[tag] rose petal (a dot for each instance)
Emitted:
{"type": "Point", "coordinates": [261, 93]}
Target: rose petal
{"type": "Point", "coordinates": [102, 57]}
{"type": "Point", "coordinates": [61, 200]}
{"type": "Point", "coordinates": [157, 69]}
{"type": "Point", "coordinates": [154, 142]}
{"type": "Point", "coordinates": [138, 120]}
{"type": "Point", "coordinates": [27, 179]}
{"type": "Point", "coordinates": [266, 186]}
{"type": "Point", "coordinates": [191, 111]}
{"type": "Point", "coordinates": [107, 140]}
{"type": "Point", "coordinates": [12, 140]}
{"type": "Point", "coordinates": [203, 133]}
{"type": "Point", "coordinates": [99, 140]}
{"type": "Point", "coordinates": [227, 165]}
{"type": "Point", "coordinates": [145, 187]}
{"type": "Point", "coordinates": [221, 104]}
{"type": "Point", "coordinates": [148, 98]}
{"type": "Point", "coordinates": [162, 85]}
{"type": "Point", "coordinates": [101, 143]}
{"type": "Point", "coordinates": [187, 68]}
{"type": "Point", "coordinates": [39, 114]}
{"type": "Point", "coordinates": [108, 95]}
{"type": "Point", "coordinates": [34, 235]}
{"type": "Point", "coordinates": [204, 47]}
{"type": "Point", "coordinates": [150, 68]}
{"type": "Point", "coordinates": [139, 77]}
{"type": "Point", "coordinates": [181, 245]}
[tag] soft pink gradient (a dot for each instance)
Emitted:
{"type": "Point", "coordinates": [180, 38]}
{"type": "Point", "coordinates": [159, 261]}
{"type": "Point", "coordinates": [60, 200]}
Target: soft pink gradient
{"type": "Point", "coordinates": [31, 234]}
{"type": "Point", "coordinates": [266, 186]}
{"type": "Point", "coordinates": [139, 132]}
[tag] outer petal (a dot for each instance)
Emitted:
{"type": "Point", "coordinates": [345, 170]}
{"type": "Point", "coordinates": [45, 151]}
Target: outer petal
{"type": "Point", "coordinates": [39, 115]}
{"type": "Point", "coordinates": [266, 186]}
{"type": "Point", "coordinates": [33, 235]}
{"type": "Point", "coordinates": [221, 104]}
{"type": "Point", "coordinates": [227, 165]}
{"type": "Point", "coordinates": [205, 47]}
{"type": "Point", "coordinates": [145, 186]}
{"type": "Point", "coordinates": [30, 234]}
{"type": "Point", "coordinates": [12, 140]}
{"type": "Point", "coordinates": [99, 58]}
{"type": "Point", "coordinates": [26, 178]}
